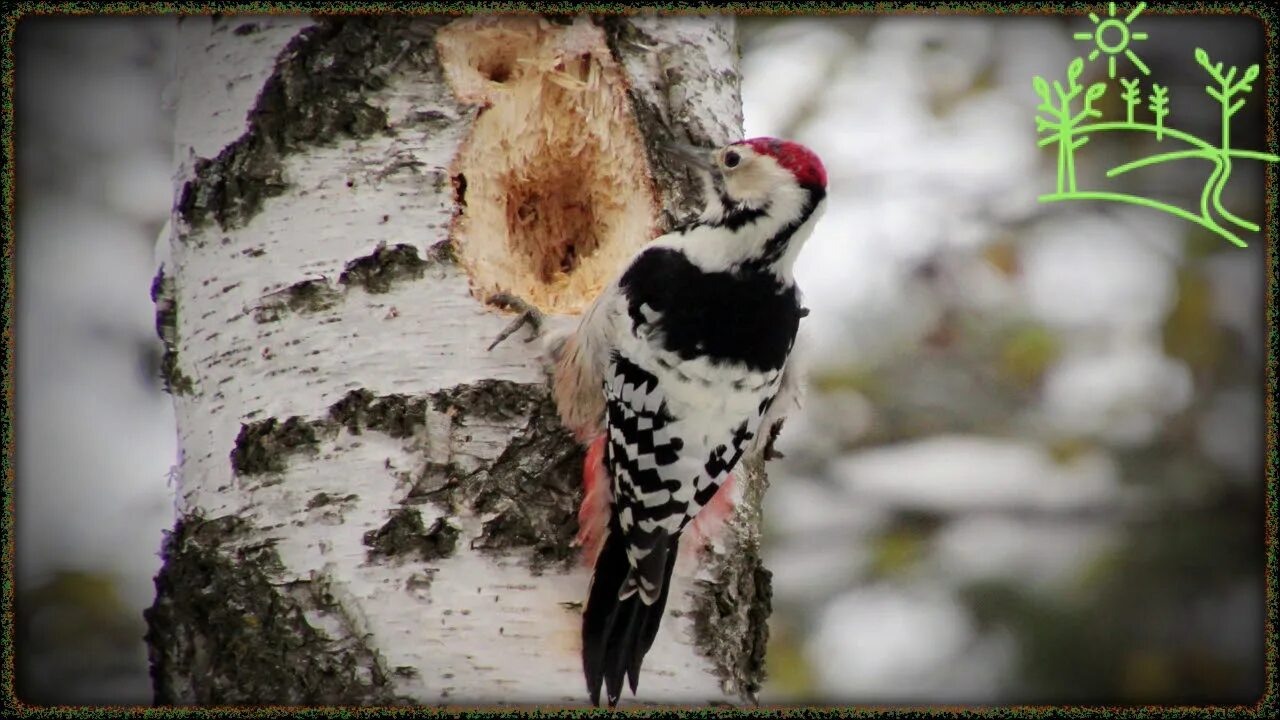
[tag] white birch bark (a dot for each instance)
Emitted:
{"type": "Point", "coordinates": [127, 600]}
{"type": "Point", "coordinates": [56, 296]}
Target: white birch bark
{"type": "Point", "coordinates": [372, 507]}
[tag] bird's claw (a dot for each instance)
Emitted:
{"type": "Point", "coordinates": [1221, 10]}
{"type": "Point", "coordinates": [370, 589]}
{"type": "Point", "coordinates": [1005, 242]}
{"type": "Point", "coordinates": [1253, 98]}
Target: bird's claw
{"type": "Point", "coordinates": [529, 315]}
{"type": "Point", "coordinates": [769, 452]}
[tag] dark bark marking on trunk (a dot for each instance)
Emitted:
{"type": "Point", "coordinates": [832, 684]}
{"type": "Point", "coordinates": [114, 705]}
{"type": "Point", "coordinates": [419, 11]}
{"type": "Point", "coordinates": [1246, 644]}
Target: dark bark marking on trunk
{"type": "Point", "coordinates": [534, 485]}
{"type": "Point", "coordinates": [318, 91]}
{"type": "Point", "coordinates": [303, 297]}
{"type": "Point", "coordinates": [324, 499]}
{"type": "Point", "coordinates": [404, 534]}
{"type": "Point", "coordinates": [163, 297]}
{"type": "Point", "coordinates": [395, 415]}
{"type": "Point", "coordinates": [222, 633]}
{"type": "Point", "coordinates": [379, 270]}
{"type": "Point", "coordinates": [680, 190]}
{"type": "Point", "coordinates": [730, 611]}
{"type": "Point", "coordinates": [530, 492]}
{"type": "Point", "coordinates": [262, 447]}
{"type": "Point", "coordinates": [741, 597]}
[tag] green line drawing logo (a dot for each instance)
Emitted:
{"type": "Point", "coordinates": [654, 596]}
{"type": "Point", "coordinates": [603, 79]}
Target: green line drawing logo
{"type": "Point", "coordinates": [1070, 129]}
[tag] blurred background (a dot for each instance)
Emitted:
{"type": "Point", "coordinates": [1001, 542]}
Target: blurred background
{"type": "Point", "coordinates": [1029, 467]}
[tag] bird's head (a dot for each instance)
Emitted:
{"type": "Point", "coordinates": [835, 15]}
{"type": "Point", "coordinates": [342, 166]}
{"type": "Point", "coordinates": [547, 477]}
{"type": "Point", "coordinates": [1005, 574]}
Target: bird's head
{"type": "Point", "coordinates": [758, 171]}
{"type": "Point", "coordinates": [767, 193]}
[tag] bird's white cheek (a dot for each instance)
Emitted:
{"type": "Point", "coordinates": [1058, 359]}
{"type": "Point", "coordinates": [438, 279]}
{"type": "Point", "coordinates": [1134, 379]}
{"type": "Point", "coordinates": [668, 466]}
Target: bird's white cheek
{"type": "Point", "coordinates": [748, 185]}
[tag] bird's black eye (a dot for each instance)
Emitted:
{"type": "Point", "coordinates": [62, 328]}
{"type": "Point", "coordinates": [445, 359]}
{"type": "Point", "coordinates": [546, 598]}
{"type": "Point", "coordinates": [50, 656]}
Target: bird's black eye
{"type": "Point", "coordinates": [731, 159]}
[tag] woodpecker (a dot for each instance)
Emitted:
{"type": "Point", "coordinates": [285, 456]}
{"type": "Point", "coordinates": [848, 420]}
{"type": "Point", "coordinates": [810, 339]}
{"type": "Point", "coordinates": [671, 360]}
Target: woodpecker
{"type": "Point", "coordinates": [678, 369]}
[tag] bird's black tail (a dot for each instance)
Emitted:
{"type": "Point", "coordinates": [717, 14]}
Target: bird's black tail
{"type": "Point", "coordinates": [616, 634]}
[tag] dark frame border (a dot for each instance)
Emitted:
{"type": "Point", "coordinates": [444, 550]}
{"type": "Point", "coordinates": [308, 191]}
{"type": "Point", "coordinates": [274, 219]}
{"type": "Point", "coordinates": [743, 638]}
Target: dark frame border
{"type": "Point", "coordinates": [1268, 704]}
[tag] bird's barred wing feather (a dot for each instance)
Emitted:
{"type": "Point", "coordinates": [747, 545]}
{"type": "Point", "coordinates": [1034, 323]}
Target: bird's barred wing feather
{"type": "Point", "coordinates": [642, 454]}
{"type": "Point", "coordinates": [783, 404]}
{"type": "Point", "coordinates": [665, 469]}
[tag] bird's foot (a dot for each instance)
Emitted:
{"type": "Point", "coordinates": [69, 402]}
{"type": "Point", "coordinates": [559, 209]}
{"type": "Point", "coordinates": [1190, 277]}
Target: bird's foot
{"type": "Point", "coordinates": [529, 315]}
{"type": "Point", "coordinates": [770, 453]}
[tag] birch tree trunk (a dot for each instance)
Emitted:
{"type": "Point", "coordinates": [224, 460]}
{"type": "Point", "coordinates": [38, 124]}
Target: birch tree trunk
{"type": "Point", "coordinates": [372, 508]}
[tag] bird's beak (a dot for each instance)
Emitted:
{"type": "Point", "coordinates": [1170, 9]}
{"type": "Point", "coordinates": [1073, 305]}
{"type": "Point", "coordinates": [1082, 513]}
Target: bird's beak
{"type": "Point", "coordinates": [699, 158]}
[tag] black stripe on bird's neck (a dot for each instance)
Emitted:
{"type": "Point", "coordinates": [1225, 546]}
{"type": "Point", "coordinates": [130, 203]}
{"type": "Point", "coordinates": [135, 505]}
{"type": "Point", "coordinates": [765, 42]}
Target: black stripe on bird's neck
{"type": "Point", "coordinates": [736, 215]}
{"type": "Point", "coordinates": [776, 246]}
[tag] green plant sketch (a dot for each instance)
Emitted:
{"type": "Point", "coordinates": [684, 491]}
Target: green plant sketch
{"type": "Point", "coordinates": [1159, 107]}
{"type": "Point", "coordinates": [1070, 130]}
{"type": "Point", "coordinates": [1063, 122]}
{"type": "Point", "coordinates": [1132, 96]}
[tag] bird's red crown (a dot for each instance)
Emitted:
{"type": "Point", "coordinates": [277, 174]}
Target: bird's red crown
{"type": "Point", "coordinates": [800, 160]}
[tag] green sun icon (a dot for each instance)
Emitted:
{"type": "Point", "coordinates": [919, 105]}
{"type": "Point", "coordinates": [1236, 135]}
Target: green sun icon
{"type": "Point", "coordinates": [1113, 36]}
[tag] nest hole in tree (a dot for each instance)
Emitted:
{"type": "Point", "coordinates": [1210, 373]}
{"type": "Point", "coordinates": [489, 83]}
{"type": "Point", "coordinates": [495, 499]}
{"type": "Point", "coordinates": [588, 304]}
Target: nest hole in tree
{"type": "Point", "coordinates": [496, 66]}
{"type": "Point", "coordinates": [551, 218]}
{"type": "Point", "coordinates": [558, 190]}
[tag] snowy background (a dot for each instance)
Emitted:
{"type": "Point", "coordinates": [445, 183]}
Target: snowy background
{"type": "Point", "coordinates": [1030, 465]}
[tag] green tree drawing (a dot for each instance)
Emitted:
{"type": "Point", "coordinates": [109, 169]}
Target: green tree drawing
{"type": "Point", "coordinates": [1159, 107]}
{"type": "Point", "coordinates": [1062, 122]}
{"type": "Point", "coordinates": [1132, 96]}
{"type": "Point", "coordinates": [1226, 91]}
{"type": "Point", "coordinates": [1221, 156]}
{"type": "Point", "coordinates": [1070, 134]}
